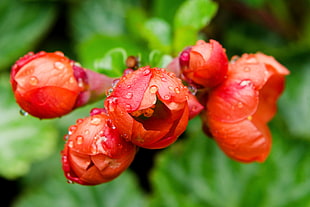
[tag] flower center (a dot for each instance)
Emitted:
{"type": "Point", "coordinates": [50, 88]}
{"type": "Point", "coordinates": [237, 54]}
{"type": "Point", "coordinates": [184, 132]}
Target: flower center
{"type": "Point", "coordinates": [144, 112]}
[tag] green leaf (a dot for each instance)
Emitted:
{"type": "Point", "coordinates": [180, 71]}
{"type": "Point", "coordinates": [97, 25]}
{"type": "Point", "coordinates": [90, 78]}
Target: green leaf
{"type": "Point", "coordinates": [53, 190]}
{"type": "Point", "coordinates": [294, 104]}
{"type": "Point", "coordinates": [23, 25]}
{"type": "Point", "coordinates": [190, 18]}
{"type": "Point", "coordinates": [157, 32]}
{"type": "Point", "coordinates": [94, 17]}
{"type": "Point", "coordinates": [23, 140]}
{"type": "Point", "coordinates": [160, 8]}
{"type": "Point", "coordinates": [194, 172]}
{"type": "Point", "coordinates": [98, 46]}
{"type": "Point", "coordinates": [195, 14]}
{"type": "Point", "coordinates": [159, 59]}
{"type": "Point", "coordinates": [113, 63]}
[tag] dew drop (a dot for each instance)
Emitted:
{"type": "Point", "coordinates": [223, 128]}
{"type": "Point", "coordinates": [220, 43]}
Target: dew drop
{"type": "Point", "coordinates": [94, 149]}
{"type": "Point", "coordinates": [125, 136]}
{"type": "Point", "coordinates": [193, 90]}
{"type": "Point", "coordinates": [95, 121]}
{"type": "Point", "coordinates": [128, 86]}
{"type": "Point", "coordinates": [80, 83]}
{"type": "Point", "coordinates": [164, 79]}
{"type": "Point", "coordinates": [146, 72]}
{"type": "Point", "coordinates": [153, 89]}
{"type": "Point", "coordinates": [33, 80]}
{"type": "Point", "coordinates": [70, 181]}
{"type": "Point", "coordinates": [245, 83]}
{"type": "Point", "coordinates": [72, 129]}
{"type": "Point", "coordinates": [79, 121]}
{"type": "Point", "coordinates": [129, 95]}
{"type": "Point", "coordinates": [115, 82]}
{"type": "Point", "coordinates": [166, 97]}
{"type": "Point", "coordinates": [170, 88]}
{"type": "Point", "coordinates": [86, 132]}
{"type": "Point", "coordinates": [240, 105]}
{"type": "Point", "coordinates": [104, 139]}
{"type": "Point", "coordinates": [23, 113]}
{"type": "Point", "coordinates": [79, 139]}
{"type": "Point", "coordinates": [70, 143]}
{"type": "Point", "coordinates": [128, 106]}
{"type": "Point", "coordinates": [177, 90]}
{"type": "Point", "coordinates": [66, 137]}
{"type": "Point", "coordinates": [59, 65]}
{"type": "Point", "coordinates": [109, 91]}
{"type": "Point", "coordinates": [71, 80]}
{"type": "Point", "coordinates": [247, 69]}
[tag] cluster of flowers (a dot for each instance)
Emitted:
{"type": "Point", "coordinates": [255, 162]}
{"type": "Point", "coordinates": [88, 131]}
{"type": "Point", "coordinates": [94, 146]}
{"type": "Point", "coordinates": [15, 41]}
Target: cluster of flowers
{"type": "Point", "coordinates": [150, 107]}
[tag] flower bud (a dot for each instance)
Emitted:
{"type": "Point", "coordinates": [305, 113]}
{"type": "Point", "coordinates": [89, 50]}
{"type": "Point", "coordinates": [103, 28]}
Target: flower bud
{"type": "Point", "coordinates": [49, 85]}
{"type": "Point", "coordinates": [238, 110]}
{"type": "Point", "coordinates": [94, 152]}
{"type": "Point", "coordinates": [204, 64]}
{"type": "Point", "coordinates": [150, 107]}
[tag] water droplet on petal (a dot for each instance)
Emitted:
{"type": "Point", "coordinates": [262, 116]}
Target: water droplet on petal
{"type": "Point", "coordinates": [33, 80]}
{"type": "Point", "coordinates": [72, 129]}
{"type": "Point", "coordinates": [128, 86]}
{"type": "Point", "coordinates": [95, 121]}
{"type": "Point", "coordinates": [128, 106]}
{"type": "Point", "coordinates": [79, 121]}
{"type": "Point", "coordinates": [94, 149]}
{"type": "Point", "coordinates": [70, 181]}
{"type": "Point", "coordinates": [146, 72]}
{"type": "Point", "coordinates": [177, 90]}
{"type": "Point", "coordinates": [23, 113]}
{"type": "Point", "coordinates": [59, 65]}
{"type": "Point", "coordinates": [240, 105]}
{"type": "Point", "coordinates": [72, 80]}
{"type": "Point", "coordinates": [115, 82]}
{"type": "Point", "coordinates": [193, 90]}
{"type": "Point", "coordinates": [153, 89]}
{"type": "Point", "coordinates": [66, 137]}
{"type": "Point", "coordinates": [70, 143]}
{"type": "Point", "coordinates": [166, 97]}
{"type": "Point", "coordinates": [247, 69]}
{"type": "Point", "coordinates": [80, 83]}
{"type": "Point", "coordinates": [129, 95]}
{"type": "Point", "coordinates": [164, 79]}
{"type": "Point", "coordinates": [86, 132]}
{"type": "Point", "coordinates": [125, 136]}
{"type": "Point", "coordinates": [79, 139]}
{"type": "Point", "coordinates": [245, 83]}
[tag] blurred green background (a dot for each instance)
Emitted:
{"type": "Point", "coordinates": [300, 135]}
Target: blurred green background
{"type": "Point", "coordinates": [100, 34]}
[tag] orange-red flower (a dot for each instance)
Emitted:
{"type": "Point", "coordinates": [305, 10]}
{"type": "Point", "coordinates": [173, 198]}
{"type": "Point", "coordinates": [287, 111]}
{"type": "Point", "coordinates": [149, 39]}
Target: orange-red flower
{"type": "Point", "coordinates": [94, 152]}
{"type": "Point", "coordinates": [204, 64]}
{"type": "Point", "coordinates": [239, 109]}
{"type": "Point", "coordinates": [150, 107]}
{"type": "Point", "coordinates": [49, 85]}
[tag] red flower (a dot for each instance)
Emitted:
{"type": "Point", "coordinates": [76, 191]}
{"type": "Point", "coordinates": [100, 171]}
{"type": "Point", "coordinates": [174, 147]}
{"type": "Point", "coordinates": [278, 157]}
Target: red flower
{"type": "Point", "coordinates": [204, 64]}
{"type": "Point", "coordinates": [94, 152]}
{"type": "Point", "coordinates": [150, 107]}
{"type": "Point", "coordinates": [238, 110]}
{"type": "Point", "coordinates": [49, 85]}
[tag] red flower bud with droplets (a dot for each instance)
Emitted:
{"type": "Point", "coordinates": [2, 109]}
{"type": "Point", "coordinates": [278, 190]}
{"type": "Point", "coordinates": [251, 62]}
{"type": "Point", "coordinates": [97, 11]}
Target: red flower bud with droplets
{"type": "Point", "coordinates": [238, 110]}
{"type": "Point", "coordinates": [94, 152]}
{"type": "Point", "coordinates": [150, 107]}
{"type": "Point", "coordinates": [49, 85]}
{"type": "Point", "coordinates": [204, 64]}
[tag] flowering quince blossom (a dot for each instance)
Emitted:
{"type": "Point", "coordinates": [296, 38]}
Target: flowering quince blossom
{"type": "Point", "coordinates": [49, 85]}
{"type": "Point", "coordinates": [151, 107]}
{"type": "Point", "coordinates": [239, 109]}
{"type": "Point", "coordinates": [204, 64]}
{"type": "Point", "coordinates": [94, 152]}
